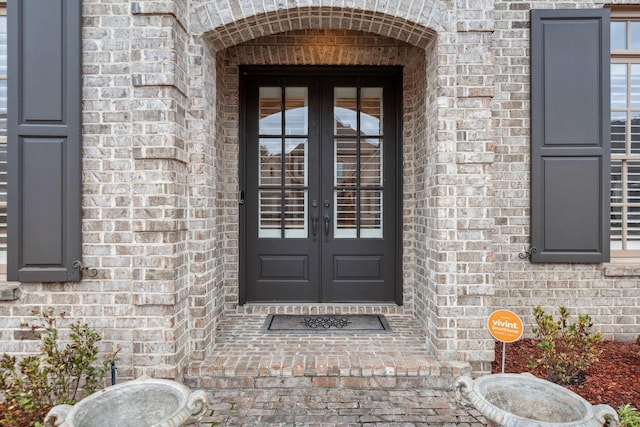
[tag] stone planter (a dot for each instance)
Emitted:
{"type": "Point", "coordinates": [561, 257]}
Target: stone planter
{"type": "Point", "coordinates": [144, 402]}
{"type": "Point", "coordinates": [519, 400]}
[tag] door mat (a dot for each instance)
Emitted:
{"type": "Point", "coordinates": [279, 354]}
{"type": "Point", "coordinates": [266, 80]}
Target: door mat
{"type": "Point", "coordinates": [310, 323]}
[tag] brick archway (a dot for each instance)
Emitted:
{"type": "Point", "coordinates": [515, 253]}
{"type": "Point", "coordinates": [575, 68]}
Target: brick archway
{"type": "Point", "coordinates": [238, 21]}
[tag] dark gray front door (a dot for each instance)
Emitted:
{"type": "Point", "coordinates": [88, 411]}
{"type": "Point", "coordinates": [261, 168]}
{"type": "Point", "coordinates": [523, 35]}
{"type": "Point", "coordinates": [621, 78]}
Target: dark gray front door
{"type": "Point", "coordinates": [320, 185]}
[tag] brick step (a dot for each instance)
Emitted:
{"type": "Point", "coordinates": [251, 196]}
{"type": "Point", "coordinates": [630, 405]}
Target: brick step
{"type": "Point", "coordinates": [360, 371]}
{"type": "Point", "coordinates": [244, 356]}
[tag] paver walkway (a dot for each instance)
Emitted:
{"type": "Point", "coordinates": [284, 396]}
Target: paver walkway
{"type": "Point", "coordinates": [316, 406]}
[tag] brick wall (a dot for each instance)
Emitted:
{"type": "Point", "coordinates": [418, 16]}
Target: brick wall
{"type": "Point", "coordinates": [160, 156]}
{"type": "Point", "coordinates": [608, 293]}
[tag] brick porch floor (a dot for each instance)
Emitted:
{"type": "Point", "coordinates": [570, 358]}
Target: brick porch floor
{"type": "Point", "coordinates": [247, 369]}
{"type": "Point", "coordinates": [245, 356]}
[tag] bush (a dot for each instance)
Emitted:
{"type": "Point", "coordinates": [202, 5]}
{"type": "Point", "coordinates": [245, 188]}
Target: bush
{"type": "Point", "coordinates": [629, 416]}
{"type": "Point", "coordinates": [58, 375]}
{"type": "Point", "coordinates": [567, 349]}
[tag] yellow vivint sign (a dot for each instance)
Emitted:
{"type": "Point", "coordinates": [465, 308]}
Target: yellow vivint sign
{"type": "Point", "coordinates": [505, 326]}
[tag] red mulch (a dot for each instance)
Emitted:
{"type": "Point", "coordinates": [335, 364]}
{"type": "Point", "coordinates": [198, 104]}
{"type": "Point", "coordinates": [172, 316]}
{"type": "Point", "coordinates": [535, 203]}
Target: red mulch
{"type": "Point", "coordinates": [613, 380]}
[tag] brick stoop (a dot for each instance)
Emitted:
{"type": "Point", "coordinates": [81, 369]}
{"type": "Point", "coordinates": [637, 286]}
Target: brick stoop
{"type": "Point", "coordinates": [246, 357]}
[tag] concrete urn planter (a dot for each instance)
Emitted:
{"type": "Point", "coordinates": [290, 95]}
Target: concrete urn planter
{"type": "Point", "coordinates": [519, 400]}
{"type": "Point", "coordinates": [144, 402]}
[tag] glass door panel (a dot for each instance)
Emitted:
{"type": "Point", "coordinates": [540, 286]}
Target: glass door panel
{"type": "Point", "coordinates": [295, 213]}
{"type": "Point", "coordinates": [358, 162]}
{"type": "Point", "coordinates": [270, 214]}
{"type": "Point", "coordinates": [371, 214]}
{"type": "Point", "coordinates": [270, 107]}
{"type": "Point", "coordinates": [283, 162]}
{"type": "Point", "coordinates": [346, 162]}
{"type": "Point", "coordinates": [371, 111]}
{"type": "Point", "coordinates": [270, 162]}
{"type": "Point", "coordinates": [297, 112]}
{"type": "Point", "coordinates": [345, 211]}
{"type": "Point", "coordinates": [296, 162]}
{"type": "Point", "coordinates": [345, 111]}
{"type": "Point", "coordinates": [371, 162]}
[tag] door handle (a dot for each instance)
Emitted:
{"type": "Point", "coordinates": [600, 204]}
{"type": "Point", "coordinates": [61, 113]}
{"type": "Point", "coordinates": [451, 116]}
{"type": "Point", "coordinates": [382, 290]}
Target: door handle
{"type": "Point", "coordinates": [326, 219]}
{"type": "Point", "coordinates": [314, 226]}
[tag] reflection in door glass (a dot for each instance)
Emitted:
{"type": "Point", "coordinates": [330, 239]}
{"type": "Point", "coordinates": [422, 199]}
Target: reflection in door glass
{"type": "Point", "coordinates": [345, 202]}
{"type": "Point", "coordinates": [295, 216]}
{"type": "Point", "coordinates": [370, 162]}
{"type": "Point", "coordinates": [371, 111]}
{"type": "Point", "coordinates": [346, 162]}
{"type": "Point", "coordinates": [296, 121]}
{"type": "Point", "coordinates": [371, 214]}
{"type": "Point", "coordinates": [345, 110]}
{"type": "Point", "coordinates": [295, 162]}
{"type": "Point", "coordinates": [270, 161]}
{"type": "Point", "coordinates": [270, 106]}
{"type": "Point", "coordinates": [269, 214]}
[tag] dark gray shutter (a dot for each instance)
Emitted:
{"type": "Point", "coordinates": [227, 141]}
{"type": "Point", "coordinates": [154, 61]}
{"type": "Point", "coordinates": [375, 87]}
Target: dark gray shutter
{"type": "Point", "coordinates": [44, 131]}
{"type": "Point", "coordinates": [570, 135]}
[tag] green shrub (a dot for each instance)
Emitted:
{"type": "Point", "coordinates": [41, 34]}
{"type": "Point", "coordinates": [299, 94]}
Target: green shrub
{"type": "Point", "coordinates": [629, 416]}
{"type": "Point", "coordinates": [567, 349]}
{"type": "Point", "coordinates": [57, 375]}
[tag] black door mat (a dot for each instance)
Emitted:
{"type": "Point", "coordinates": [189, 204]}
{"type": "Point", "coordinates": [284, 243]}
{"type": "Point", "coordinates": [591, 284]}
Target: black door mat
{"type": "Point", "coordinates": [326, 323]}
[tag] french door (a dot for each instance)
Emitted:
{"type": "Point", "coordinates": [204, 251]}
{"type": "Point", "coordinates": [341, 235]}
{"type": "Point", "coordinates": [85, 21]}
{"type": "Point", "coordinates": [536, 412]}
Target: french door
{"type": "Point", "coordinates": [319, 196]}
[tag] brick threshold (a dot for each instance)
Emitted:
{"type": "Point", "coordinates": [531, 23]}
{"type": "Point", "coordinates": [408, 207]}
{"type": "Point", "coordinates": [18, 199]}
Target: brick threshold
{"type": "Point", "coordinates": [246, 357]}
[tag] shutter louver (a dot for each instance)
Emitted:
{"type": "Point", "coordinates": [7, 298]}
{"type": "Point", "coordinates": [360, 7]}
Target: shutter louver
{"type": "Point", "coordinates": [44, 138]}
{"type": "Point", "coordinates": [570, 135]}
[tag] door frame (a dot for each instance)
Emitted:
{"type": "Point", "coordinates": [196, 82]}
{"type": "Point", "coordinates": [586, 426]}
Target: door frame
{"type": "Point", "coordinates": [248, 71]}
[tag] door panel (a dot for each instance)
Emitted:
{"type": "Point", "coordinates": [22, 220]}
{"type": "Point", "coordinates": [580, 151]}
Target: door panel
{"type": "Point", "coordinates": [359, 178]}
{"type": "Point", "coordinates": [284, 267]}
{"type": "Point", "coordinates": [321, 188]}
{"type": "Point", "coordinates": [281, 255]}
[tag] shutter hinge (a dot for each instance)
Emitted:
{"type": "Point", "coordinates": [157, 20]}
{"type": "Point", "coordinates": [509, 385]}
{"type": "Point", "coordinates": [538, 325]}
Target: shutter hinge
{"type": "Point", "coordinates": [84, 270]}
{"type": "Point", "coordinates": [527, 254]}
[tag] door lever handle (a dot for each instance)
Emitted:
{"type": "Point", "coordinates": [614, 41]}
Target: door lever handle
{"type": "Point", "coordinates": [314, 226]}
{"type": "Point", "coordinates": [326, 219]}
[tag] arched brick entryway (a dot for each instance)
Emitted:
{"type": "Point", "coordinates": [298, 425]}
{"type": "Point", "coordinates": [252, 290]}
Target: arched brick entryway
{"type": "Point", "coordinates": [440, 141]}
